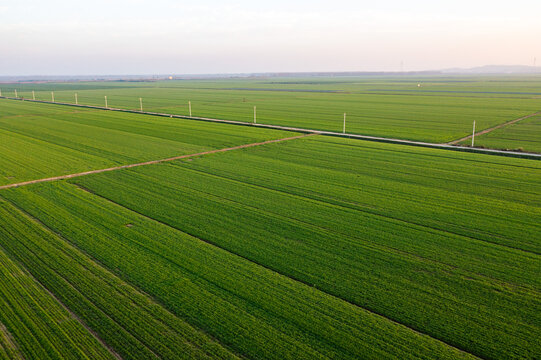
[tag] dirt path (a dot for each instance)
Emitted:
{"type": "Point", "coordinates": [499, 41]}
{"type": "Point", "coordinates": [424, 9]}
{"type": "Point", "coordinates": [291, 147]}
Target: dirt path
{"type": "Point", "coordinates": [454, 142]}
{"type": "Point", "coordinates": [69, 176]}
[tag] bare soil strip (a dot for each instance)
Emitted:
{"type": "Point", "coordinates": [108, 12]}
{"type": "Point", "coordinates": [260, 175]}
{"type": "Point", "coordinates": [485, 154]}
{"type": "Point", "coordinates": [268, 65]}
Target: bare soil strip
{"type": "Point", "coordinates": [69, 176]}
{"type": "Point", "coordinates": [454, 142]}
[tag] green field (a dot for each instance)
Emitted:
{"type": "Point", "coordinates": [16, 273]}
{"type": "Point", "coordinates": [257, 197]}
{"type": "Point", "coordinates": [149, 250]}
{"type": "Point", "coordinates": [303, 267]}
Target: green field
{"type": "Point", "coordinates": [129, 321]}
{"type": "Point", "coordinates": [441, 110]}
{"type": "Point", "coordinates": [251, 309]}
{"type": "Point", "coordinates": [523, 136]}
{"type": "Point", "coordinates": [311, 248]}
{"type": "Point", "coordinates": [40, 140]}
{"type": "Point", "coordinates": [27, 309]}
{"type": "Point", "coordinates": [383, 242]}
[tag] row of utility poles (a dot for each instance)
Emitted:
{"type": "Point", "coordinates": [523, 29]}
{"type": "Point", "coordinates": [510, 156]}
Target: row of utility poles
{"type": "Point", "coordinates": [190, 111]}
{"type": "Point", "coordinates": [107, 105]}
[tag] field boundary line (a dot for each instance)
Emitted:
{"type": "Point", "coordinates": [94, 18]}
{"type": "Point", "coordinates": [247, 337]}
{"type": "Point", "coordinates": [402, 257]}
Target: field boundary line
{"type": "Point", "coordinates": [74, 316]}
{"type": "Point", "coordinates": [151, 162]}
{"type": "Point", "coordinates": [44, 227]}
{"type": "Point", "coordinates": [444, 146]}
{"type": "Point", "coordinates": [346, 206]}
{"type": "Point", "coordinates": [276, 271]}
{"type": "Point", "coordinates": [486, 131]}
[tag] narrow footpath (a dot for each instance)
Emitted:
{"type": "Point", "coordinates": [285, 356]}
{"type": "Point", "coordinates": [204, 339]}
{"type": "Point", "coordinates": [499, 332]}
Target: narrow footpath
{"type": "Point", "coordinates": [151, 162]}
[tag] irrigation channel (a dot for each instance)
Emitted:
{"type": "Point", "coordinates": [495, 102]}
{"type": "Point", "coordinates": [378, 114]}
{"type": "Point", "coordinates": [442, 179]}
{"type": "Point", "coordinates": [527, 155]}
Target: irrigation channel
{"type": "Point", "coordinates": [445, 146]}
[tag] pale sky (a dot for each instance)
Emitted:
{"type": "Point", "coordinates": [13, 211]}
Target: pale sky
{"type": "Point", "coordinates": [60, 37]}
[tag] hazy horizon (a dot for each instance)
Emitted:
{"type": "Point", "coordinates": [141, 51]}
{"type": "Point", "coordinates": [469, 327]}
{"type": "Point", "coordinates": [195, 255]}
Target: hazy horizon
{"type": "Point", "coordinates": [175, 37]}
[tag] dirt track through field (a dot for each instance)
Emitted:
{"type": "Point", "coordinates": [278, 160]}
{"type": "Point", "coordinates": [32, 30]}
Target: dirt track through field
{"type": "Point", "coordinates": [151, 162]}
{"type": "Point", "coordinates": [454, 142]}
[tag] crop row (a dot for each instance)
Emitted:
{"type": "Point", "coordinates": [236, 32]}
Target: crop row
{"type": "Point", "coordinates": [33, 324]}
{"type": "Point", "coordinates": [134, 325]}
{"type": "Point", "coordinates": [381, 226]}
{"type": "Point", "coordinates": [253, 310]}
{"type": "Point", "coordinates": [487, 198]}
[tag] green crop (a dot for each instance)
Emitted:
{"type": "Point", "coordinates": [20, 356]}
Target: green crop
{"type": "Point", "coordinates": [33, 324]}
{"type": "Point", "coordinates": [522, 136]}
{"type": "Point", "coordinates": [441, 110]}
{"type": "Point", "coordinates": [253, 310]}
{"type": "Point", "coordinates": [132, 323]}
{"type": "Point", "coordinates": [413, 234]}
{"type": "Point", "coordinates": [43, 141]}
{"type": "Point", "coordinates": [320, 247]}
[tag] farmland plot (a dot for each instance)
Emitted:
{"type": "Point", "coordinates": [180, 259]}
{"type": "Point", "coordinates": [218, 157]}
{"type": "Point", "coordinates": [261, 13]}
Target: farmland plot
{"type": "Point", "coordinates": [252, 310]}
{"type": "Point", "coordinates": [523, 136]}
{"type": "Point", "coordinates": [413, 234]}
{"type": "Point", "coordinates": [134, 325]}
{"type": "Point", "coordinates": [39, 143]}
{"type": "Point", "coordinates": [33, 324]}
{"type": "Point", "coordinates": [441, 110]}
{"type": "Point", "coordinates": [318, 247]}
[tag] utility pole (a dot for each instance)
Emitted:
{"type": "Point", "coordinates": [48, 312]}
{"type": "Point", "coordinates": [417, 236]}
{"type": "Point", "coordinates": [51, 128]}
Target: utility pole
{"type": "Point", "coordinates": [52, 96]}
{"type": "Point", "coordinates": [344, 129]}
{"type": "Point", "coordinates": [141, 104]}
{"type": "Point", "coordinates": [255, 115]}
{"type": "Point", "coordinates": [106, 101]}
{"type": "Point", "coordinates": [190, 107]}
{"type": "Point", "coordinates": [33, 95]}
{"type": "Point", "coordinates": [76, 99]}
{"type": "Point", "coordinates": [16, 93]}
{"type": "Point", "coordinates": [473, 134]}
